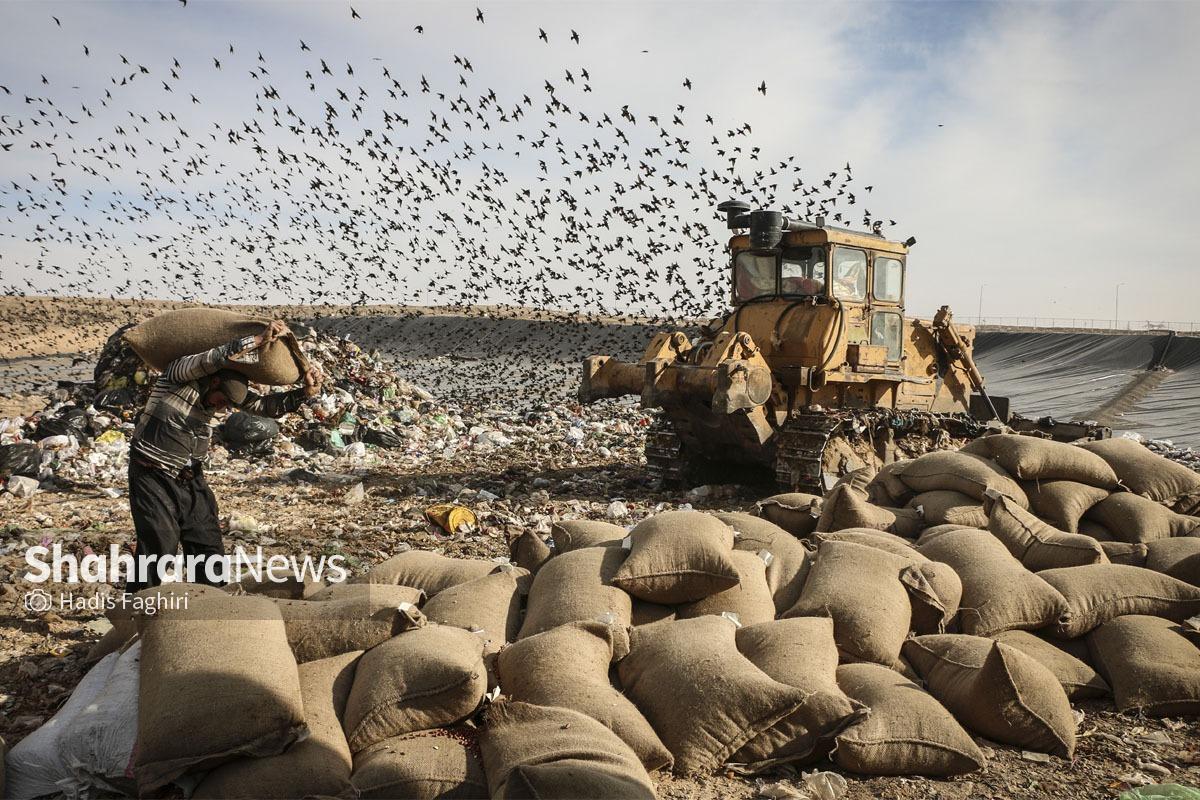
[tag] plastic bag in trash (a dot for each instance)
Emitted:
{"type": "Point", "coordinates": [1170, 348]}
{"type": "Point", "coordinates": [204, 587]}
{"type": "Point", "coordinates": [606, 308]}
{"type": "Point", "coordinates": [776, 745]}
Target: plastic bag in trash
{"type": "Point", "coordinates": [380, 437]}
{"type": "Point", "coordinates": [243, 428]}
{"type": "Point", "coordinates": [69, 421]}
{"type": "Point", "coordinates": [1165, 791]}
{"type": "Point", "coordinates": [20, 458]}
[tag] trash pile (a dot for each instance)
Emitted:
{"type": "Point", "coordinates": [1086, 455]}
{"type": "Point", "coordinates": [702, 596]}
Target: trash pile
{"type": "Point", "coordinates": [998, 585]}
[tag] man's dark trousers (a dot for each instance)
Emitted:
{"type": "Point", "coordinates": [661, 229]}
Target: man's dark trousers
{"type": "Point", "coordinates": [169, 510]}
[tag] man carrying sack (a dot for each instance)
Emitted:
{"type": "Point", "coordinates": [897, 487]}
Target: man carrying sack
{"type": "Point", "coordinates": [169, 498]}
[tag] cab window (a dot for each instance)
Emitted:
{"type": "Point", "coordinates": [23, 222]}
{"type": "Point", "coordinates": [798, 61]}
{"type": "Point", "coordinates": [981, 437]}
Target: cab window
{"type": "Point", "coordinates": [803, 271]}
{"type": "Point", "coordinates": [753, 276]}
{"type": "Point", "coordinates": [889, 279]}
{"type": "Point", "coordinates": [886, 330]}
{"type": "Point", "coordinates": [849, 273]}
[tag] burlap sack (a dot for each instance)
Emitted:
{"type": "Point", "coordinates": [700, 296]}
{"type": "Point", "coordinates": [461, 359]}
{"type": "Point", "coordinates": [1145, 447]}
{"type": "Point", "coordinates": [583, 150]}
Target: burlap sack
{"type": "Point", "coordinates": [288, 589]}
{"type": "Point", "coordinates": [887, 489]}
{"type": "Point", "coordinates": [1143, 471]}
{"type": "Point", "coordinates": [795, 512]}
{"type": "Point", "coordinates": [1179, 558]}
{"type": "Point", "coordinates": [644, 613]}
{"type": "Point", "coordinates": [1132, 518]}
{"type": "Point", "coordinates": [703, 697]}
{"type": "Point", "coordinates": [441, 764]}
{"type": "Point", "coordinates": [534, 751]}
{"type": "Point", "coordinates": [430, 572]}
{"type": "Point", "coordinates": [996, 690]}
{"type": "Point", "coordinates": [489, 606]}
{"type": "Point", "coordinates": [1062, 503]}
{"type": "Point", "coordinates": [1035, 459]}
{"type": "Point", "coordinates": [1133, 555]}
{"type": "Point", "coordinates": [857, 479]}
{"type": "Point", "coordinates": [677, 557]}
{"type": "Point", "coordinates": [576, 585]}
{"type": "Point", "coordinates": [362, 618]}
{"type": "Point", "coordinates": [789, 563]}
{"type": "Point", "coordinates": [431, 676]}
{"type": "Point", "coordinates": [1077, 677]}
{"type": "Point", "coordinates": [907, 731]}
{"type": "Point", "coordinates": [218, 682]}
{"type": "Point", "coordinates": [949, 508]}
{"type": "Point", "coordinates": [318, 765]}
{"type": "Point", "coordinates": [846, 508]}
{"type": "Point", "coordinates": [1095, 530]}
{"type": "Point", "coordinates": [798, 652]}
{"type": "Point", "coordinates": [934, 588]}
{"type": "Point", "coordinates": [568, 667]}
{"type": "Point", "coordinates": [1152, 667]}
{"type": "Point", "coordinates": [960, 472]}
{"type": "Point", "coordinates": [172, 334]}
{"type": "Point", "coordinates": [572, 534]}
{"type": "Point", "coordinates": [1035, 544]}
{"type": "Point", "coordinates": [750, 599]}
{"type": "Point", "coordinates": [529, 551]}
{"type": "Point", "coordinates": [861, 589]}
{"type": "Point", "coordinates": [379, 592]}
{"type": "Point", "coordinates": [124, 615]}
{"type": "Point", "coordinates": [998, 594]}
{"type": "Point", "coordinates": [1100, 592]}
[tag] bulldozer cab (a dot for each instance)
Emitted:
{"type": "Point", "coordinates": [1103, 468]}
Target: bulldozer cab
{"type": "Point", "coordinates": [814, 265]}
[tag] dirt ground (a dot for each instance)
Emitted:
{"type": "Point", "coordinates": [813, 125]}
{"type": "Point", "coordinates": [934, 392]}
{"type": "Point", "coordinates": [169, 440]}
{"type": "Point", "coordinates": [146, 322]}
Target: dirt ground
{"type": "Point", "coordinates": [539, 478]}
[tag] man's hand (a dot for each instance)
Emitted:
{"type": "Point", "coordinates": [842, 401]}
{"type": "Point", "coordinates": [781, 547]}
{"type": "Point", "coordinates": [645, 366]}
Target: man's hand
{"type": "Point", "coordinates": [276, 329]}
{"type": "Point", "coordinates": [312, 381]}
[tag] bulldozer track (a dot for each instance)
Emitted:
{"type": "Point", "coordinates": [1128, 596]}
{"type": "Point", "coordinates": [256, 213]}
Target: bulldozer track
{"type": "Point", "coordinates": [800, 450]}
{"type": "Point", "coordinates": [666, 461]}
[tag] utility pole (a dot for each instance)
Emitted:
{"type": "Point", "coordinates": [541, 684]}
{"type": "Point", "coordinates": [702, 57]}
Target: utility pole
{"type": "Point", "coordinates": [1117, 304]}
{"type": "Point", "coordinates": [979, 316]}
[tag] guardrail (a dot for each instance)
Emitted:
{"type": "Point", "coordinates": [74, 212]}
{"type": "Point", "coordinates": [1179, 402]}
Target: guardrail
{"type": "Point", "coordinates": [1082, 323]}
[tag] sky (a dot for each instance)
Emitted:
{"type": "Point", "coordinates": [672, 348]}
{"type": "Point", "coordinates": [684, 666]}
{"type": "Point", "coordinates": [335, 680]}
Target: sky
{"type": "Point", "coordinates": [1041, 154]}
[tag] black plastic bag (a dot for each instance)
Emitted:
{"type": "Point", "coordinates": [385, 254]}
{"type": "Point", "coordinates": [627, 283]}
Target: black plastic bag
{"type": "Point", "coordinates": [20, 458]}
{"type": "Point", "coordinates": [242, 428]}
{"type": "Point", "coordinates": [69, 421]}
{"type": "Point", "coordinates": [315, 438]}
{"type": "Point", "coordinates": [379, 437]}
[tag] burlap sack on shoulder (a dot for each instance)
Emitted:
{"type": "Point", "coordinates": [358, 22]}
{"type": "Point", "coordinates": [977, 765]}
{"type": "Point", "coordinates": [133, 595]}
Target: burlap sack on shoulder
{"type": "Point", "coordinates": [750, 599]}
{"type": "Point", "coordinates": [960, 472]}
{"type": "Point", "coordinates": [568, 667]}
{"type": "Point", "coordinates": [318, 765]}
{"type": "Point", "coordinates": [1100, 592]}
{"type": "Point", "coordinates": [1032, 458]}
{"type": "Point", "coordinates": [529, 551]}
{"type": "Point", "coordinates": [677, 557]}
{"type": "Point", "coordinates": [907, 732]}
{"type": "Point", "coordinates": [428, 571]}
{"type": "Point", "coordinates": [998, 594]}
{"type": "Point", "coordinates": [790, 560]}
{"type": "Point", "coordinates": [430, 676]}
{"type": "Point", "coordinates": [1152, 667]}
{"type": "Point", "coordinates": [944, 507]}
{"type": "Point", "coordinates": [1143, 471]}
{"type": "Point", "coordinates": [361, 616]}
{"type": "Point", "coordinates": [532, 751]}
{"type": "Point", "coordinates": [217, 682]}
{"type": "Point", "coordinates": [572, 534]}
{"type": "Point", "coordinates": [440, 764]}
{"type": "Point", "coordinates": [846, 508]}
{"type": "Point", "coordinates": [577, 585]}
{"type": "Point", "coordinates": [795, 512]}
{"type": "Point", "coordinates": [1077, 677]}
{"type": "Point", "coordinates": [173, 334]}
{"type": "Point", "coordinates": [1133, 555]}
{"type": "Point", "coordinates": [1062, 503]}
{"type": "Point", "coordinates": [996, 690]}
{"type": "Point", "coordinates": [798, 652]}
{"type": "Point", "coordinates": [489, 606]}
{"type": "Point", "coordinates": [861, 589]}
{"type": "Point", "coordinates": [702, 696]}
{"type": "Point", "coordinates": [1132, 518]}
{"type": "Point", "coordinates": [1179, 558]}
{"type": "Point", "coordinates": [1035, 544]}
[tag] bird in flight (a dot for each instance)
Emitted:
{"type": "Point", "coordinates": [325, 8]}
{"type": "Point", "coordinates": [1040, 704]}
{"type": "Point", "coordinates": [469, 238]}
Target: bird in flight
{"type": "Point", "coordinates": [354, 14]}
{"type": "Point", "coordinates": [542, 35]}
{"type": "Point", "coordinates": [478, 15]}
{"type": "Point", "coordinates": [762, 87]}
{"type": "Point", "coordinates": [574, 36]}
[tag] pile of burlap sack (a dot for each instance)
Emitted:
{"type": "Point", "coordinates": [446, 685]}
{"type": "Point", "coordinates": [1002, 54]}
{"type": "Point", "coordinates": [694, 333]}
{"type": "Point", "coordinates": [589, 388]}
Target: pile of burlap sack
{"type": "Point", "coordinates": [885, 627]}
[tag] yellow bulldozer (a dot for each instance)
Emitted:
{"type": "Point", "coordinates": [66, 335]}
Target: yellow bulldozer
{"type": "Point", "coordinates": [815, 371]}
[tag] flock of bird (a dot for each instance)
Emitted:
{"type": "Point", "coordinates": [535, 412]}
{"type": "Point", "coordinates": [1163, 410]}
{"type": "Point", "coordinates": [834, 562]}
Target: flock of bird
{"type": "Point", "coordinates": [351, 183]}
